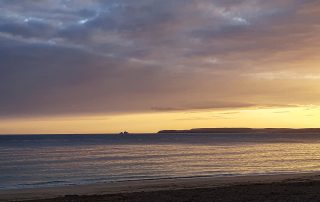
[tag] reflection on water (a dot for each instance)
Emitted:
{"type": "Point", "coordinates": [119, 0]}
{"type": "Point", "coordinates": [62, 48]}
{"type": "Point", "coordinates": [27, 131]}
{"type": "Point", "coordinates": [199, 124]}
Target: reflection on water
{"type": "Point", "coordinates": [41, 161]}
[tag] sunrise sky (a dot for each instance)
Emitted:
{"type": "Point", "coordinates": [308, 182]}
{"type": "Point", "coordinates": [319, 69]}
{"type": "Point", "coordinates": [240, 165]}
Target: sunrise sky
{"type": "Point", "coordinates": [93, 66]}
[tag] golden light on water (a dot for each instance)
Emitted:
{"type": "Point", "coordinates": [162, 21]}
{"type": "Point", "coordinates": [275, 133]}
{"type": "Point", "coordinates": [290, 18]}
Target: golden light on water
{"type": "Point", "coordinates": [291, 117]}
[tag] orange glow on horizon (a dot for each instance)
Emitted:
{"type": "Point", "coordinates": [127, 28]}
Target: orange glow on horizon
{"type": "Point", "coordinates": [285, 117]}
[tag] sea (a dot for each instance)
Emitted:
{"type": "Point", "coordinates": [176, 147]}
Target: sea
{"type": "Point", "coordinates": [34, 161]}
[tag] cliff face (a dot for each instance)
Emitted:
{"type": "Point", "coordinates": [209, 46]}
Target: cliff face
{"type": "Point", "coordinates": [244, 130]}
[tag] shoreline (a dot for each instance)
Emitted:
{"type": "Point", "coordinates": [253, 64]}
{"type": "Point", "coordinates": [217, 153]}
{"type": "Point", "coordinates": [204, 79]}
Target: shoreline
{"type": "Point", "coordinates": [152, 185]}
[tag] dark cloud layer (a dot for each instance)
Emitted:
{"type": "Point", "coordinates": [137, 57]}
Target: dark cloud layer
{"type": "Point", "coordinates": [91, 56]}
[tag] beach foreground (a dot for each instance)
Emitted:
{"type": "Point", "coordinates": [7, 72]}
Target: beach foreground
{"type": "Point", "coordinates": [289, 187]}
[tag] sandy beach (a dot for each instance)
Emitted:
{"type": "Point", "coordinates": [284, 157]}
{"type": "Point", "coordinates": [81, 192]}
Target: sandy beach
{"type": "Point", "coordinates": [286, 187]}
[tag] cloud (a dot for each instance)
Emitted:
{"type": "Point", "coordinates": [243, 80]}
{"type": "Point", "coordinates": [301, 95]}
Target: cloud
{"type": "Point", "coordinates": [91, 56]}
{"type": "Point", "coordinates": [213, 105]}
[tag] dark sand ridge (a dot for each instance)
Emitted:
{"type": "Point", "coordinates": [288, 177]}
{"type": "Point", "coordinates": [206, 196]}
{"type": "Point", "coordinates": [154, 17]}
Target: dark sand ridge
{"type": "Point", "coordinates": [284, 187]}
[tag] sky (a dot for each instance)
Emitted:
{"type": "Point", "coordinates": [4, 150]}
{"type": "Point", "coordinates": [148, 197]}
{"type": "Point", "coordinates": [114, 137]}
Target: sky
{"type": "Point", "coordinates": [103, 66]}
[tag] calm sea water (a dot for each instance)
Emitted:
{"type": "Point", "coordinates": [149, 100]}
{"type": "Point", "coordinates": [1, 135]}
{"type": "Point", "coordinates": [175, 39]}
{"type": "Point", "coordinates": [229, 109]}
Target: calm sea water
{"type": "Point", "coordinates": [52, 160]}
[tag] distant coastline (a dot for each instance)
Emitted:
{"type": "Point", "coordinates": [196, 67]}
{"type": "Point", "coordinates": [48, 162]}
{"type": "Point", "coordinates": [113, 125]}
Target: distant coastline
{"type": "Point", "coordinates": [244, 130]}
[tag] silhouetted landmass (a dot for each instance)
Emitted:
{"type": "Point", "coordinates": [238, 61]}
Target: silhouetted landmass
{"type": "Point", "coordinates": [244, 130]}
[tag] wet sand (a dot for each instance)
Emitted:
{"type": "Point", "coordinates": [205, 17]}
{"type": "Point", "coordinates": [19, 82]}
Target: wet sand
{"type": "Point", "coordinates": [289, 187]}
